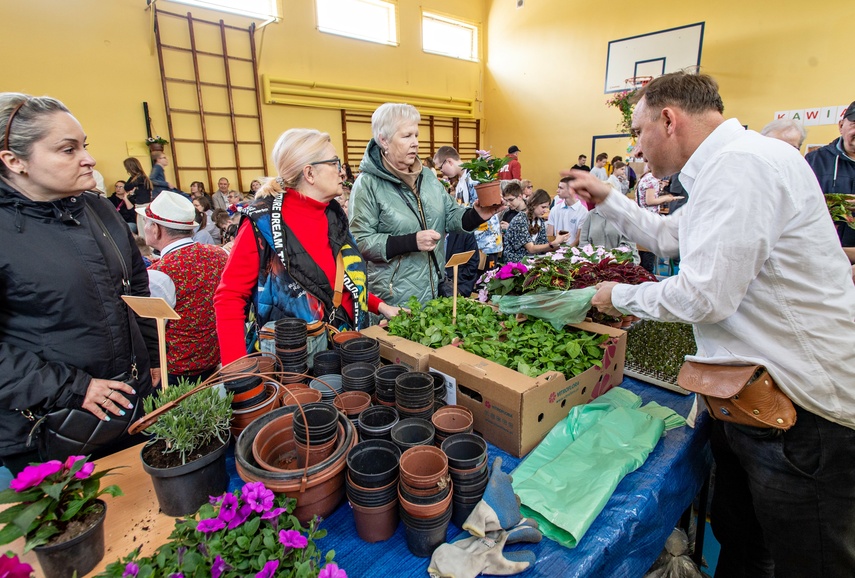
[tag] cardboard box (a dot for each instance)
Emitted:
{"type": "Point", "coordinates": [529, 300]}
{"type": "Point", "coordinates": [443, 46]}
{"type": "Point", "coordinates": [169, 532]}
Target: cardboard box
{"type": "Point", "coordinates": [399, 350]}
{"type": "Point", "coordinates": [514, 411]}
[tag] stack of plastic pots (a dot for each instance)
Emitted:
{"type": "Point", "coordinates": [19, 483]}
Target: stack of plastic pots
{"type": "Point", "coordinates": [384, 382]}
{"type": "Point", "coordinates": [358, 376]}
{"type": "Point", "coordinates": [352, 404]}
{"type": "Point", "coordinates": [360, 349]}
{"type": "Point", "coordinates": [449, 420]}
{"type": "Point", "coordinates": [291, 348]}
{"type": "Point", "coordinates": [328, 385]}
{"type": "Point", "coordinates": [326, 362]}
{"type": "Point", "coordinates": [375, 423]}
{"type": "Point", "coordinates": [438, 389]}
{"type": "Point", "coordinates": [425, 492]}
{"type": "Point", "coordinates": [414, 394]}
{"type": "Point", "coordinates": [315, 433]}
{"type": "Point", "coordinates": [412, 432]}
{"type": "Point", "coordinates": [372, 488]}
{"type": "Point", "coordinates": [467, 464]}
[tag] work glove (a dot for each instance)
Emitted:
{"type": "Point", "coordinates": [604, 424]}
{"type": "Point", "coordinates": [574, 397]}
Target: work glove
{"type": "Point", "coordinates": [469, 557]}
{"type": "Point", "coordinates": [499, 509]}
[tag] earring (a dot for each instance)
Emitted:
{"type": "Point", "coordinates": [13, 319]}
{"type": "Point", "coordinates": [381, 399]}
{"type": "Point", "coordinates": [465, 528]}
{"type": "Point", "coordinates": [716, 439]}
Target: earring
{"type": "Point", "coordinates": [23, 172]}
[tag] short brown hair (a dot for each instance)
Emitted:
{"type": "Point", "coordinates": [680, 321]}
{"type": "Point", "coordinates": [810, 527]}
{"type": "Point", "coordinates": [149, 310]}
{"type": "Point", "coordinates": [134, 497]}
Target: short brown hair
{"type": "Point", "coordinates": [618, 165]}
{"type": "Point", "coordinates": [444, 153]}
{"type": "Point", "coordinates": [602, 157]}
{"type": "Point", "coordinates": [512, 189]}
{"type": "Point", "coordinates": [694, 93]}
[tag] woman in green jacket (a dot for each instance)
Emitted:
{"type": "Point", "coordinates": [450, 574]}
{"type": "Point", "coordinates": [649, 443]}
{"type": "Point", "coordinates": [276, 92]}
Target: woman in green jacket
{"type": "Point", "coordinates": [400, 212]}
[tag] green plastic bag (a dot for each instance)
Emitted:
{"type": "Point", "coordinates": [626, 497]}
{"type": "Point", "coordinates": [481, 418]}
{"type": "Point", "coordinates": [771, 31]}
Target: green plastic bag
{"type": "Point", "coordinates": [557, 307]}
{"type": "Point", "coordinates": [567, 480]}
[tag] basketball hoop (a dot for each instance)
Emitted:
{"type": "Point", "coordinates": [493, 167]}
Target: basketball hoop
{"type": "Point", "coordinates": [637, 82]}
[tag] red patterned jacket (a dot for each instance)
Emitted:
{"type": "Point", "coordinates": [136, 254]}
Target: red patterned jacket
{"type": "Point", "coordinates": [191, 342]}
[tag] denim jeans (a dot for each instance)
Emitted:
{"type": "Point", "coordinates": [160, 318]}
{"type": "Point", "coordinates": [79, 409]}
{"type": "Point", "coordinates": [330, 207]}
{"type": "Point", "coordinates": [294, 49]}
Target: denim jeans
{"type": "Point", "coordinates": [784, 502]}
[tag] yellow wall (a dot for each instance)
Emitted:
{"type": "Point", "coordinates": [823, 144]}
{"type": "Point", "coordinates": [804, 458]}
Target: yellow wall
{"type": "Point", "coordinates": [545, 68]}
{"type": "Point", "coordinates": [95, 56]}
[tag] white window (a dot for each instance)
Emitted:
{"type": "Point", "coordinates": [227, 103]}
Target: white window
{"type": "Point", "coordinates": [449, 37]}
{"type": "Point", "coordinates": [372, 20]}
{"type": "Point", "coordinates": [267, 10]}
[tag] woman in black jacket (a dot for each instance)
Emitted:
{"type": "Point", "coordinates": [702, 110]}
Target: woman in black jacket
{"type": "Point", "coordinates": [64, 329]}
{"type": "Point", "coordinates": [139, 187]}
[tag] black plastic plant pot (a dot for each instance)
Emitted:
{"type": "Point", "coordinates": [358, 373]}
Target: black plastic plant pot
{"type": "Point", "coordinates": [385, 375]}
{"type": "Point", "coordinates": [254, 400]}
{"type": "Point", "coordinates": [414, 383]}
{"type": "Point", "coordinates": [75, 557]}
{"type": "Point", "coordinates": [321, 420]}
{"type": "Point", "coordinates": [378, 420]}
{"type": "Point", "coordinates": [326, 362]}
{"type": "Point", "coordinates": [242, 384]}
{"type": "Point", "coordinates": [464, 450]}
{"type": "Point", "coordinates": [290, 329]}
{"type": "Point", "coordinates": [420, 415]}
{"type": "Point", "coordinates": [470, 478]}
{"type": "Point", "coordinates": [425, 535]}
{"type": "Point", "coordinates": [371, 498]}
{"type": "Point", "coordinates": [373, 463]}
{"type": "Point", "coordinates": [409, 433]}
{"type": "Point", "coordinates": [183, 489]}
{"type": "Point", "coordinates": [361, 349]}
{"type": "Point", "coordinates": [461, 509]}
{"type": "Point", "coordinates": [470, 490]}
{"type": "Point", "coordinates": [358, 376]}
{"type": "Point", "coordinates": [438, 384]}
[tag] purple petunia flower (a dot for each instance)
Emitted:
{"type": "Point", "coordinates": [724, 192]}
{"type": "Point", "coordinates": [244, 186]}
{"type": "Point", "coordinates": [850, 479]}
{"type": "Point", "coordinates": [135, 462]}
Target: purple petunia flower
{"type": "Point", "coordinates": [292, 539]}
{"type": "Point", "coordinates": [32, 476]}
{"type": "Point", "coordinates": [176, 575]}
{"type": "Point", "coordinates": [131, 570]}
{"type": "Point", "coordinates": [229, 508]}
{"type": "Point", "coordinates": [483, 296]}
{"type": "Point", "coordinates": [269, 569]}
{"type": "Point", "coordinates": [272, 514]}
{"type": "Point", "coordinates": [219, 566]}
{"type": "Point", "coordinates": [259, 498]}
{"type": "Point", "coordinates": [210, 525]}
{"type": "Point", "coordinates": [332, 570]}
{"type": "Point", "coordinates": [240, 517]}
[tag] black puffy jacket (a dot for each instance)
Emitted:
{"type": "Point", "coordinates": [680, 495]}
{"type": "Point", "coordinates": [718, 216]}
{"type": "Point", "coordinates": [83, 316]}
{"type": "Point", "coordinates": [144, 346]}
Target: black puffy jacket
{"type": "Point", "coordinates": [62, 321]}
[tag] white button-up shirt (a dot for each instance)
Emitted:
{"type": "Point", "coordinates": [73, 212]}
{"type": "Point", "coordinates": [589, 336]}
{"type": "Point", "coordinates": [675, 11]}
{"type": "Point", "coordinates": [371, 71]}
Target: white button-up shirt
{"type": "Point", "coordinates": [762, 275]}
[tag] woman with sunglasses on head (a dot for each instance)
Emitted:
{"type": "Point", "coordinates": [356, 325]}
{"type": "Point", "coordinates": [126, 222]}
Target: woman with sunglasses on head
{"type": "Point", "coordinates": [67, 339]}
{"type": "Point", "coordinates": [293, 274]}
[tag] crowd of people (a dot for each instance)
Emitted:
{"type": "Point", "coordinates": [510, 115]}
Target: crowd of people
{"type": "Point", "coordinates": [316, 242]}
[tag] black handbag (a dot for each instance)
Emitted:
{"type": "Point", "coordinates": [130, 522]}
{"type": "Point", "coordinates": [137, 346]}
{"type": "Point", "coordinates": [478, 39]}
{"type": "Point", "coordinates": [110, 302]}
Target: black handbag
{"type": "Point", "coordinates": [70, 431]}
{"type": "Point", "coordinates": [76, 432]}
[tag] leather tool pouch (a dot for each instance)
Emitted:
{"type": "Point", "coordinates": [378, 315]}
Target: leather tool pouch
{"type": "Point", "coordinates": [746, 394]}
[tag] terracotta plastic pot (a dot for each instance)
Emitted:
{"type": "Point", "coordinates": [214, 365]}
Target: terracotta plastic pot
{"type": "Point", "coordinates": [489, 194]}
{"type": "Point", "coordinates": [315, 454]}
{"type": "Point", "coordinates": [452, 419]}
{"type": "Point", "coordinates": [371, 497]}
{"type": "Point", "coordinates": [424, 466]}
{"type": "Point", "coordinates": [343, 336]}
{"type": "Point", "coordinates": [352, 403]}
{"type": "Point", "coordinates": [376, 524]}
{"type": "Point", "coordinates": [242, 365]}
{"type": "Point", "coordinates": [243, 417]}
{"type": "Point", "coordinates": [426, 511]}
{"type": "Point", "coordinates": [300, 396]}
{"type": "Point", "coordinates": [317, 489]}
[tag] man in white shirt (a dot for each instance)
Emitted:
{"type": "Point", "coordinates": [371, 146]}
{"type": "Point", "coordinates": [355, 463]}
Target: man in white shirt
{"type": "Point", "coordinates": [567, 215]}
{"type": "Point", "coordinates": [756, 292]}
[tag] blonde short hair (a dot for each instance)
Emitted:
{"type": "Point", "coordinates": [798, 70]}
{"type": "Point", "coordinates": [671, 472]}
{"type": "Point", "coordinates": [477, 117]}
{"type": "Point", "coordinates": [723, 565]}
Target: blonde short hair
{"type": "Point", "coordinates": [389, 116]}
{"type": "Point", "coordinates": [296, 148]}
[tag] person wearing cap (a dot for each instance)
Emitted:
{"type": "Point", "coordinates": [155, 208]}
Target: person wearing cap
{"type": "Point", "coordinates": [512, 170]}
{"type": "Point", "coordinates": [192, 349]}
{"type": "Point", "coordinates": [66, 335]}
{"type": "Point", "coordinates": [834, 166]}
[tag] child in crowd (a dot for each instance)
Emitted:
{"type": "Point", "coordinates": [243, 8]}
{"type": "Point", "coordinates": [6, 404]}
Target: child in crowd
{"type": "Point", "coordinates": [618, 180]}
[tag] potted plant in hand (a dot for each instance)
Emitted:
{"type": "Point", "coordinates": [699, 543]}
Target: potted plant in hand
{"type": "Point", "coordinates": [58, 513]}
{"type": "Point", "coordinates": [485, 170]}
{"type": "Point", "coordinates": [249, 532]}
{"type": "Point", "coordinates": [155, 143]}
{"type": "Point", "coordinates": [186, 457]}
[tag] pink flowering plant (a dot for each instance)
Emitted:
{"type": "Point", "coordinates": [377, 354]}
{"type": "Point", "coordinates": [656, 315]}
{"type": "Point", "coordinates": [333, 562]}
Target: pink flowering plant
{"type": "Point", "coordinates": [12, 567]}
{"type": "Point", "coordinates": [248, 533]}
{"type": "Point", "coordinates": [48, 497]}
{"type": "Point", "coordinates": [551, 272]}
